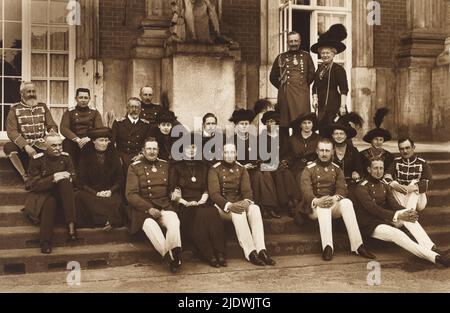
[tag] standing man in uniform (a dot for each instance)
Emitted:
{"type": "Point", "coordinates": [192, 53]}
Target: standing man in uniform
{"type": "Point", "coordinates": [324, 198]}
{"type": "Point", "coordinates": [409, 177]}
{"type": "Point", "coordinates": [26, 126]}
{"type": "Point", "coordinates": [230, 190]}
{"type": "Point", "coordinates": [380, 216]}
{"type": "Point", "coordinates": [147, 192]}
{"type": "Point", "coordinates": [149, 109]}
{"type": "Point", "coordinates": [292, 73]}
{"type": "Point", "coordinates": [129, 134]}
{"type": "Point", "coordinates": [76, 122]}
{"type": "Point", "coordinates": [51, 175]}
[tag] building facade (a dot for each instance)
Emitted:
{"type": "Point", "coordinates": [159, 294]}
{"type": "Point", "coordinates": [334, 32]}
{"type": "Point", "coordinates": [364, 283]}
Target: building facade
{"type": "Point", "coordinates": [398, 53]}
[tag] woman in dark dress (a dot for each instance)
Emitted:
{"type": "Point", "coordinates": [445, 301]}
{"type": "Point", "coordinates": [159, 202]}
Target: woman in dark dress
{"type": "Point", "coordinates": [200, 221]}
{"type": "Point", "coordinates": [330, 86]}
{"type": "Point", "coordinates": [377, 137]}
{"type": "Point", "coordinates": [166, 120]}
{"type": "Point", "coordinates": [100, 179]}
{"type": "Point", "coordinates": [212, 153]}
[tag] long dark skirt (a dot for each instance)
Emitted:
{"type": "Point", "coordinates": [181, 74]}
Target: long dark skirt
{"type": "Point", "coordinates": [286, 186]}
{"type": "Point", "coordinates": [203, 227]}
{"type": "Point", "coordinates": [263, 186]}
{"type": "Point", "coordinates": [93, 211]}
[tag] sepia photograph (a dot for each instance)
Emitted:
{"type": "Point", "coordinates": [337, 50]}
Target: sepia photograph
{"type": "Point", "coordinates": [224, 152]}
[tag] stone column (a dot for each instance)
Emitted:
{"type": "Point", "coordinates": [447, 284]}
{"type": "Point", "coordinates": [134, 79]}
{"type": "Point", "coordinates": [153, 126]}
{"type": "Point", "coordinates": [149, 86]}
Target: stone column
{"type": "Point", "coordinates": [363, 74]}
{"type": "Point", "coordinates": [420, 46]}
{"type": "Point", "coordinates": [148, 50]}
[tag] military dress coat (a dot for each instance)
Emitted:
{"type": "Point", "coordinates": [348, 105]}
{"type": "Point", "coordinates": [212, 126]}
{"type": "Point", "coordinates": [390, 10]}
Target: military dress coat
{"type": "Point", "coordinates": [78, 121]}
{"type": "Point", "coordinates": [374, 204]}
{"type": "Point", "coordinates": [318, 180]}
{"type": "Point", "coordinates": [292, 74]}
{"type": "Point", "coordinates": [41, 170]}
{"type": "Point", "coordinates": [147, 187]}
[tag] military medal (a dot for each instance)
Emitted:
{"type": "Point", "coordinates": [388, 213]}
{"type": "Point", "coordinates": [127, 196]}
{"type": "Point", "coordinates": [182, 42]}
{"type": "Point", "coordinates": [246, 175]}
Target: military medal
{"type": "Point", "coordinates": [231, 170]}
{"type": "Point", "coordinates": [193, 179]}
{"type": "Point", "coordinates": [295, 60]}
{"type": "Point", "coordinates": [154, 170]}
{"type": "Point", "coordinates": [326, 169]}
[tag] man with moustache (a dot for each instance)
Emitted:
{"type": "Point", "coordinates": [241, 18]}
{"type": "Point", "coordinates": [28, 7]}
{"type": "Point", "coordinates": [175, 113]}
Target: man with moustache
{"type": "Point", "coordinates": [26, 126]}
{"type": "Point", "coordinates": [76, 123]}
{"type": "Point", "coordinates": [149, 110]}
{"type": "Point", "coordinates": [381, 216]}
{"type": "Point", "coordinates": [292, 73]}
{"type": "Point", "coordinates": [147, 192]}
{"type": "Point", "coordinates": [129, 134]}
{"type": "Point", "coordinates": [51, 176]}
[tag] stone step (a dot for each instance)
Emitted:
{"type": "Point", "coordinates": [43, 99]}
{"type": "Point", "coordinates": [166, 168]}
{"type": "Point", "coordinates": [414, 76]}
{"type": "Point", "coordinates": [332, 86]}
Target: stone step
{"type": "Point", "coordinates": [21, 261]}
{"type": "Point", "coordinates": [440, 182]}
{"type": "Point", "coordinates": [10, 178]}
{"type": "Point", "coordinates": [440, 166]}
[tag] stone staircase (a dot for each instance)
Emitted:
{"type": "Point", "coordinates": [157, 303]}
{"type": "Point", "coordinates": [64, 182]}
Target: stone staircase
{"type": "Point", "coordinates": [19, 244]}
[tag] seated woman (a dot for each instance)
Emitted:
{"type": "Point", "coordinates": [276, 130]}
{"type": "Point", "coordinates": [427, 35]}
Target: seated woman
{"type": "Point", "coordinates": [377, 137]}
{"type": "Point", "coordinates": [200, 221]}
{"type": "Point", "coordinates": [100, 179]}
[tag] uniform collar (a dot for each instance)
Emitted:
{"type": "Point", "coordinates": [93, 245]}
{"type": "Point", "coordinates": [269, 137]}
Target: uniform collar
{"type": "Point", "coordinates": [372, 179]}
{"type": "Point", "coordinates": [132, 120]}
{"type": "Point", "coordinates": [324, 164]}
{"type": "Point", "coordinates": [226, 164]}
{"type": "Point", "coordinates": [78, 108]}
{"type": "Point", "coordinates": [410, 160]}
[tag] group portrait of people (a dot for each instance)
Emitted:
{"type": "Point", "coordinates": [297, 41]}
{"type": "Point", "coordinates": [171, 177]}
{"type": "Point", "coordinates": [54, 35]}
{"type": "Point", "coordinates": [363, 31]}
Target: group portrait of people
{"type": "Point", "coordinates": [86, 175]}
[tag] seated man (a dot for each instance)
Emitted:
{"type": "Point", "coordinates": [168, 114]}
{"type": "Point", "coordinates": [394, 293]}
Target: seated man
{"type": "Point", "coordinates": [26, 125]}
{"type": "Point", "coordinates": [129, 134]}
{"type": "Point", "coordinates": [76, 122]}
{"type": "Point", "coordinates": [230, 191]}
{"type": "Point", "coordinates": [380, 216]}
{"type": "Point", "coordinates": [324, 197]}
{"type": "Point", "coordinates": [409, 177]}
{"type": "Point", "coordinates": [51, 174]}
{"type": "Point", "coordinates": [147, 192]}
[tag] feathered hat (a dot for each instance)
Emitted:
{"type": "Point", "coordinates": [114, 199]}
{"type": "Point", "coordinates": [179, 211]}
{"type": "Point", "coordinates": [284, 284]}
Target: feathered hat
{"type": "Point", "coordinates": [270, 115]}
{"type": "Point", "coordinates": [310, 116]}
{"type": "Point", "coordinates": [344, 124]}
{"type": "Point", "coordinates": [165, 116]}
{"type": "Point", "coordinates": [332, 38]}
{"type": "Point", "coordinates": [242, 115]}
{"type": "Point", "coordinates": [378, 131]}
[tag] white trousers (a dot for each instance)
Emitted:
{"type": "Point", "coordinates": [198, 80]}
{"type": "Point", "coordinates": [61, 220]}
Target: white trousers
{"type": "Point", "coordinates": [422, 249]}
{"type": "Point", "coordinates": [413, 201]}
{"type": "Point", "coordinates": [152, 229]}
{"type": "Point", "coordinates": [249, 229]}
{"type": "Point", "coordinates": [344, 209]}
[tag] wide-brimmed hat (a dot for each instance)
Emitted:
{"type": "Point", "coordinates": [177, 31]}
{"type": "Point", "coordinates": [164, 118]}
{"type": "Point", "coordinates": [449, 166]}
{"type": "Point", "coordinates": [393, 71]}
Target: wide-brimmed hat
{"type": "Point", "coordinates": [270, 115]}
{"type": "Point", "coordinates": [101, 132]}
{"type": "Point", "coordinates": [242, 115]}
{"type": "Point", "coordinates": [165, 116]}
{"type": "Point", "coordinates": [378, 131]}
{"type": "Point", "coordinates": [332, 38]}
{"type": "Point", "coordinates": [344, 124]}
{"type": "Point", "coordinates": [308, 116]}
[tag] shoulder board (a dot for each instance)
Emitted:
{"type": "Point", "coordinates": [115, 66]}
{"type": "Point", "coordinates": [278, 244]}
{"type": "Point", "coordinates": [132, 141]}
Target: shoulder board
{"type": "Point", "coordinates": [121, 119]}
{"type": "Point", "coordinates": [312, 165]}
{"type": "Point", "coordinates": [16, 104]}
{"type": "Point", "coordinates": [144, 121]}
{"type": "Point", "coordinates": [217, 165]}
{"type": "Point", "coordinates": [72, 108]}
{"type": "Point", "coordinates": [305, 52]}
{"type": "Point", "coordinates": [239, 164]}
{"type": "Point", "coordinates": [162, 160]}
{"type": "Point", "coordinates": [398, 159]}
{"type": "Point", "coordinates": [335, 164]}
{"type": "Point", "coordinates": [64, 153]}
{"type": "Point", "coordinates": [364, 183]}
{"type": "Point", "coordinates": [420, 159]}
{"type": "Point", "coordinates": [37, 156]}
{"type": "Point", "coordinates": [136, 162]}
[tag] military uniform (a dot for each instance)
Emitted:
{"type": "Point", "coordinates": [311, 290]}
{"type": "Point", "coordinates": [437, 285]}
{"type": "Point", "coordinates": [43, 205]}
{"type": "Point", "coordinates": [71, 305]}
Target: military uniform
{"type": "Point", "coordinates": [75, 123]}
{"type": "Point", "coordinates": [26, 125]}
{"type": "Point", "coordinates": [149, 113]}
{"type": "Point", "coordinates": [148, 187]}
{"type": "Point", "coordinates": [47, 196]}
{"type": "Point", "coordinates": [327, 179]}
{"type": "Point", "coordinates": [292, 73]}
{"type": "Point", "coordinates": [377, 211]}
{"type": "Point", "coordinates": [413, 171]}
{"type": "Point", "coordinates": [129, 138]}
{"type": "Point", "coordinates": [230, 183]}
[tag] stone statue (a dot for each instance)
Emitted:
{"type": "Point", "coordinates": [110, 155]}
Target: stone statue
{"type": "Point", "coordinates": [196, 21]}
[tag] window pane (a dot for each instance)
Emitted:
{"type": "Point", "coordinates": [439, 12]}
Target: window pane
{"type": "Point", "coordinates": [5, 115]}
{"type": "Point", "coordinates": [59, 39]}
{"type": "Point", "coordinates": [59, 65]}
{"type": "Point", "coordinates": [39, 65]}
{"type": "Point", "coordinates": [39, 11]}
{"type": "Point", "coordinates": [332, 3]}
{"type": "Point", "coordinates": [13, 62]}
{"type": "Point", "coordinates": [39, 38]}
{"type": "Point", "coordinates": [59, 92]}
{"type": "Point", "coordinates": [12, 94]}
{"type": "Point", "coordinates": [13, 10]}
{"type": "Point", "coordinates": [58, 11]}
{"type": "Point", "coordinates": [1, 35]}
{"type": "Point", "coordinates": [13, 35]}
{"type": "Point", "coordinates": [41, 90]}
